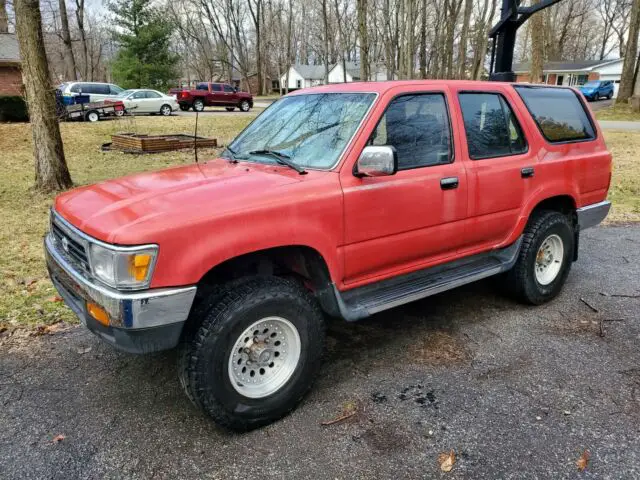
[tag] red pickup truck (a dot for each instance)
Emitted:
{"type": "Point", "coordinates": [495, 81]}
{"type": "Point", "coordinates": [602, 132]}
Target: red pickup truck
{"type": "Point", "coordinates": [342, 200]}
{"type": "Point", "coordinates": [213, 95]}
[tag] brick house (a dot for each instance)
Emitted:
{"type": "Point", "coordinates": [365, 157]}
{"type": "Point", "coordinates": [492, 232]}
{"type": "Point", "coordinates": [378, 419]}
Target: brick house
{"type": "Point", "coordinates": [575, 73]}
{"type": "Point", "coordinates": [10, 76]}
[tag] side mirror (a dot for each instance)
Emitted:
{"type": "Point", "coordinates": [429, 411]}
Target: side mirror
{"type": "Point", "coordinates": [377, 162]}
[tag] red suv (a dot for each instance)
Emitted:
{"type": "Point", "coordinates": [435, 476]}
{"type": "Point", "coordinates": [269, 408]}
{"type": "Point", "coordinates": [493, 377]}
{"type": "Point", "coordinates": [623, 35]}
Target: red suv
{"type": "Point", "coordinates": [343, 200]}
{"type": "Point", "coordinates": [213, 95]}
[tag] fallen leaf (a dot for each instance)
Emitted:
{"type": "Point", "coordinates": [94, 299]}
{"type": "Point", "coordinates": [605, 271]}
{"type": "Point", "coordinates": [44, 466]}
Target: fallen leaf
{"type": "Point", "coordinates": [40, 330]}
{"type": "Point", "coordinates": [58, 438]}
{"type": "Point", "coordinates": [447, 460]}
{"type": "Point", "coordinates": [83, 350]}
{"type": "Point", "coordinates": [583, 461]}
{"type": "Point", "coordinates": [55, 298]}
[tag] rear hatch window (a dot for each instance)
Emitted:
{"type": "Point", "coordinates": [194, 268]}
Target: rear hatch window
{"type": "Point", "coordinates": [558, 112]}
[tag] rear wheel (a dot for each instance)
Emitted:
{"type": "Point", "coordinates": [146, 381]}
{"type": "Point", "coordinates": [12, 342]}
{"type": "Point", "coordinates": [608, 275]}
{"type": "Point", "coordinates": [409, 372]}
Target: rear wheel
{"type": "Point", "coordinates": [198, 105]}
{"type": "Point", "coordinates": [610, 96]}
{"type": "Point", "coordinates": [245, 106]}
{"type": "Point", "coordinates": [255, 351]}
{"type": "Point", "coordinates": [165, 110]}
{"type": "Point", "coordinates": [544, 260]}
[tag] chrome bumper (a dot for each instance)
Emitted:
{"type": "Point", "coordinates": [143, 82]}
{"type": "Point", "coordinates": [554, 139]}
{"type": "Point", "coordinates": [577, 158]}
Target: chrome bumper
{"type": "Point", "coordinates": [133, 315]}
{"type": "Point", "coordinates": [593, 214]}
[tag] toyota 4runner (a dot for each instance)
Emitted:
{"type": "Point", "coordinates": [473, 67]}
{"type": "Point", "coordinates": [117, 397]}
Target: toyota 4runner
{"type": "Point", "coordinates": [344, 200]}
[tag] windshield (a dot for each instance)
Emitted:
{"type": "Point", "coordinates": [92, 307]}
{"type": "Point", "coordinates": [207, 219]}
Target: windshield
{"type": "Point", "coordinates": [591, 84]}
{"type": "Point", "coordinates": [311, 130]}
{"type": "Point", "coordinates": [125, 93]}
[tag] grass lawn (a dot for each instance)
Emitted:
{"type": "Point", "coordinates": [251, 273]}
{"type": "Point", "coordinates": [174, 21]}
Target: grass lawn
{"type": "Point", "coordinates": [618, 112]}
{"type": "Point", "coordinates": [26, 295]}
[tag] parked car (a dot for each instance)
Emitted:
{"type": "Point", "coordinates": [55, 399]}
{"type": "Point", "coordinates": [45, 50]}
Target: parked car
{"type": "Point", "coordinates": [345, 200]}
{"type": "Point", "coordinates": [97, 91]}
{"type": "Point", "coordinates": [144, 100]}
{"type": "Point", "coordinates": [597, 89]}
{"type": "Point", "coordinates": [214, 95]}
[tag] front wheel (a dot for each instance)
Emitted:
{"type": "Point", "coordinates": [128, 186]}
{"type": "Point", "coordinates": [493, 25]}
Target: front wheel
{"type": "Point", "coordinates": [255, 352]}
{"type": "Point", "coordinates": [92, 116]}
{"type": "Point", "coordinates": [165, 110]}
{"type": "Point", "coordinates": [596, 97]}
{"type": "Point", "coordinates": [544, 260]}
{"type": "Point", "coordinates": [245, 106]}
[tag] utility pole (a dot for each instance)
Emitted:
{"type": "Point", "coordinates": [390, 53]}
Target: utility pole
{"type": "Point", "coordinates": [503, 34]}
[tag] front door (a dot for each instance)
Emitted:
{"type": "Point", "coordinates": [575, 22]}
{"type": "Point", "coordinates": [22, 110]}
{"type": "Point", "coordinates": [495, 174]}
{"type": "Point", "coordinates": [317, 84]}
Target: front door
{"type": "Point", "coordinates": [412, 219]}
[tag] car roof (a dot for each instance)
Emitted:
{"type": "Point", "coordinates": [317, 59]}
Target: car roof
{"type": "Point", "coordinates": [382, 87]}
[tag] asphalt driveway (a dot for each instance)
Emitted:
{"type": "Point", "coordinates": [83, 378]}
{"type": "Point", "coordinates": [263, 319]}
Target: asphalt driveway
{"type": "Point", "coordinates": [516, 392]}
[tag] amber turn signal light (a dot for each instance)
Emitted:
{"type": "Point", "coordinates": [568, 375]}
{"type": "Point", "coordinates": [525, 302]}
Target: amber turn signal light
{"type": "Point", "coordinates": [99, 313]}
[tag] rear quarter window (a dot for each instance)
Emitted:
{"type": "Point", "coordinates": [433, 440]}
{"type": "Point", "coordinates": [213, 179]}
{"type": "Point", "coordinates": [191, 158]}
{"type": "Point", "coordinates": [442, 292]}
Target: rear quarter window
{"type": "Point", "coordinates": [559, 113]}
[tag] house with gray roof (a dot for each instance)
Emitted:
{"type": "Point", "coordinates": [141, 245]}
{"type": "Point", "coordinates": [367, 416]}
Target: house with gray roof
{"type": "Point", "coordinates": [305, 76]}
{"type": "Point", "coordinates": [10, 76]}
{"type": "Point", "coordinates": [575, 73]}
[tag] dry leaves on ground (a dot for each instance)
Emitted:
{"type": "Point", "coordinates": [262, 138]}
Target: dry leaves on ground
{"type": "Point", "coordinates": [583, 461]}
{"type": "Point", "coordinates": [57, 439]}
{"type": "Point", "coordinates": [447, 460]}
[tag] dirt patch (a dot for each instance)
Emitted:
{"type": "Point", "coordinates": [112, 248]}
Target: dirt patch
{"type": "Point", "coordinates": [385, 437]}
{"type": "Point", "coordinates": [439, 348]}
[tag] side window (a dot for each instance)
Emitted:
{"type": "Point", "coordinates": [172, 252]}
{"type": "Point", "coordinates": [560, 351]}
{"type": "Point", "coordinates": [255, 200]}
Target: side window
{"type": "Point", "coordinates": [100, 89]}
{"type": "Point", "coordinates": [491, 127]}
{"type": "Point", "coordinates": [417, 126]}
{"type": "Point", "coordinates": [202, 86]}
{"type": "Point", "coordinates": [559, 113]}
{"type": "Point", "coordinates": [151, 94]}
{"type": "Point", "coordinates": [115, 90]}
{"type": "Point", "coordinates": [87, 88]}
{"type": "Point", "coordinates": [228, 88]}
{"type": "Point", "coordinates": [216, 87]}
{"type": "Point", "coordinates": [298, 83]}
{"type": "Point", "coordinates": [75, 88]}
{"type": "Point", "coordinates": [139, 95]}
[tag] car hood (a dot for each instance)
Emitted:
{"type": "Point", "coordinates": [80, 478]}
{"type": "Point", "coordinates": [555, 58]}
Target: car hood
{"type": "Point", "coordinates": [164, 199]}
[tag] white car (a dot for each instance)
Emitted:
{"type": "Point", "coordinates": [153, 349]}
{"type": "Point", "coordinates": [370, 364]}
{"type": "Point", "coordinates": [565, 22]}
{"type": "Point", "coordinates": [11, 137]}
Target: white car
{"type": "Point", "coordinates": [143, 100]}
{"type": "Point", "coordinates": [96, 91]}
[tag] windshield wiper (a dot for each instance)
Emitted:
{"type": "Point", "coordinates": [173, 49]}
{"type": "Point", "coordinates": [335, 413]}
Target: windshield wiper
{"type": "Point", "coordinates": [281, 158]}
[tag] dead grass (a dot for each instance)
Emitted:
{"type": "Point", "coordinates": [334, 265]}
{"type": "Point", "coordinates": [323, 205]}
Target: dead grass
{"type": "Point", "coordinates": [26, 295]}
{"type": "Point", "coordinates": [620, 112]}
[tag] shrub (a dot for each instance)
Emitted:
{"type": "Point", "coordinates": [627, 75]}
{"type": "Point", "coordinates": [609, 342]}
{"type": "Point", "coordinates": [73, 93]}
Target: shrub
{"type": "Point", "coordinates": [13, 109]}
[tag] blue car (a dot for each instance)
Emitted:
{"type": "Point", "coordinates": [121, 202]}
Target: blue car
{"type": "Point", "coordinates": [597, 89]}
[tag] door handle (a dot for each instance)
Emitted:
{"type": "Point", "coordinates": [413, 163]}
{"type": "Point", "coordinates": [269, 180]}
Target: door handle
{"type": "Point", "coordinates": [527, 172]}
{"type": "Point", "coordinates": [449, 183]}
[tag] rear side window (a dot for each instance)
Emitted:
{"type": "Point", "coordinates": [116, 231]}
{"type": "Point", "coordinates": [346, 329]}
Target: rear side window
{"type": "Point", "coordinates": [202, 86]}
{"type": "Point", "coordinates": [228, 88]}
{"type": "Point", "coordinates": [559, 113]}
{"type": "Point", "coordinates": [491, 127]}
{"type": "Point", "coordinates": [216, 87]}
{"type": "Point", "coordinates": [101, 89]}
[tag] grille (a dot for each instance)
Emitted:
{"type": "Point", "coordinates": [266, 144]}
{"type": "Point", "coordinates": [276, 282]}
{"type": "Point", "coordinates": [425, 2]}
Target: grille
{"type": "Point", "coordinates": [70, 245]}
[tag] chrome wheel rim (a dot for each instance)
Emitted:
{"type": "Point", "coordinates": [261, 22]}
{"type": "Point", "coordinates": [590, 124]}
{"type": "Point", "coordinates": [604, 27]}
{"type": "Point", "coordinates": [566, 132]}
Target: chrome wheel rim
{"type": "Point", "coordinates": [199, 106]}
{"type": "Point", "coordinates": [244, 106]}
{"type": "Point", "coordinates": [166, 111]}
{"type": "Point", "coordinates": [549, 259]}
{"type": "Point", "coordinates": [93, 117]}
{"type": "Point", "coordinates": [264, 357]}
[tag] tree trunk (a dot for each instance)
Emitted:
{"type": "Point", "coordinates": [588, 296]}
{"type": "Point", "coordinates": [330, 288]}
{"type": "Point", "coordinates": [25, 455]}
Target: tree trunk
{"type": "Point", "coordinates": [464, 36]}
{"type": "Point", "coordinates": [289, 28]}
{"type": "Point", "coordinates": [629, 65]}
{"type": "Point", "coordinates": [71, 72]}
{"type": "Point", "coordinates": [325, 19]}
{"type": "Point", "coordinates": [423, 40]}
{"type": "Point", "coordinates": [51, 168]}
{"type": "Point", "coordinates": [83, 38]}
{"type": "Point", "coordinates": [363, 37]}
{"type": "Point", "coordinates": [537, 46]}
{"type": "Point", "coordinates": [4, 19]}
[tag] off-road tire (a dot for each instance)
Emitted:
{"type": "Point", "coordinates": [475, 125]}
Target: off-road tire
{"type": "Point", "coordinates": [521, 279]}
{"type": "Point", "coordinates": [215, 325]}
{"type": "Point", "coordinates": [244, 106]}
{"type": "Point", "coordinates": [198, 105]}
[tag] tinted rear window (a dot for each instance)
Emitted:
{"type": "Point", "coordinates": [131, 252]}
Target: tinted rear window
{"type": "Point", "coordinates": [558, 112]}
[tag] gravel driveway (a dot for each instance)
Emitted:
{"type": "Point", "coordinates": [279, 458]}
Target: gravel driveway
{"type": "Point", "coordinates": [516, 392]}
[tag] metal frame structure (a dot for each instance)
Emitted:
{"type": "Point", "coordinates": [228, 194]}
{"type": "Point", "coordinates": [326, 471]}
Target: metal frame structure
{"type": "Point", "coordinates": [503, 35]}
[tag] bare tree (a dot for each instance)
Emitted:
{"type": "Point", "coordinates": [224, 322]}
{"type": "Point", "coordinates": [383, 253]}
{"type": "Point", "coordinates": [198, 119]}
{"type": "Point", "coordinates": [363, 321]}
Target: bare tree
{"type": "Point", "coordinates": [537, 47]}
{"type": "Point", "coordinates": [363, 37]}
{"type": "Point", "coordinates": [51, 168]}
{"type": "Point", "coordinates": [255, 8]}
{"type": "Point", "coordinates": [70, 62]}
{"type": "Point", "coordinates": [631, 52]}
{"type": "Point", "coordinates": [4, 18]}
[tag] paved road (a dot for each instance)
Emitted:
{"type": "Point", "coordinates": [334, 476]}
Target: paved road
{"type": "Point", "coordinates": [619, 125]}
{"type": "Point", "coordinates": [517, 392]}
{"type": "Point", "coordinates": [258, 107]}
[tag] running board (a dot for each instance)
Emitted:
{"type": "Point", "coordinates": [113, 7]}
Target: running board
{"type": "Point", "coordinates": [365, 301]}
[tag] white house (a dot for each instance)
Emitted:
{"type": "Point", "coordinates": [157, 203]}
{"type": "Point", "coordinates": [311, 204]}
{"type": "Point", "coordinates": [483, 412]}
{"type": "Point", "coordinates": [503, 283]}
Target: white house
{"type": "Point", "coordinates": [575, 73]}
{"type": "Point", "coordinates": [305, 76]}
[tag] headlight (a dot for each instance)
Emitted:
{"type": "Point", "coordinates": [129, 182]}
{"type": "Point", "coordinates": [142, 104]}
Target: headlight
{"type": "Point", "coordinates": [125, 268]}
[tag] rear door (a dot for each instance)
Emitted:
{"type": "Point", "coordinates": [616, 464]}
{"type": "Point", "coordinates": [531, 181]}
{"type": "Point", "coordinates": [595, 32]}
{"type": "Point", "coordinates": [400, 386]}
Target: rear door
{"type": "Point", "coordinates": [500, 166]}
{"type": "Point", "coordinates": [153, 101]}
{"type": "Point", "coordinates": [99, 91]}
{"type": "Point", "coordinates": [412, 219]}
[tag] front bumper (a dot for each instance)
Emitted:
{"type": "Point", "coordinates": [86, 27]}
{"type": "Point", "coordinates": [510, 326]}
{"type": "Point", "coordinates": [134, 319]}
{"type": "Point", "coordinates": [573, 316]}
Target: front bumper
{"type": "Point", "coordinates": [140, 322]}
{"type": "Point", "coordinates": [592, 215]}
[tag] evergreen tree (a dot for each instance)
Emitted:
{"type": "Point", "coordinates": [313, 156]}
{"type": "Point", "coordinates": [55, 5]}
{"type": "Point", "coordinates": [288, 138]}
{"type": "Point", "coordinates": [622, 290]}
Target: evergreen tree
{"type": "Point", "coordinates": [144, 58]}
